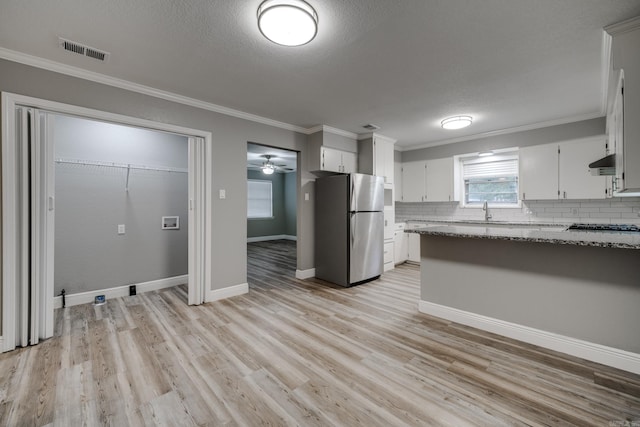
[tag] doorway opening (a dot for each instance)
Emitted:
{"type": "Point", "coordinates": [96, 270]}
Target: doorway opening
{"type": "Point", "coordinates": [272, 176]}
{"type": "Point", "coordinates": [115, 189]}
{"type": "Point", "coordinates": [29, 208]}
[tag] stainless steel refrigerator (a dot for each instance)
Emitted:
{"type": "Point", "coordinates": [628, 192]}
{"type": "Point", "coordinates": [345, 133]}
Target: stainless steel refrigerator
{"type": "Point", "coordinates": [349, 228]}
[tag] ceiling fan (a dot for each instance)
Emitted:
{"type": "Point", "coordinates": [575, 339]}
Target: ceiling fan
{"type": "Point", "coordinates": [268, 167]}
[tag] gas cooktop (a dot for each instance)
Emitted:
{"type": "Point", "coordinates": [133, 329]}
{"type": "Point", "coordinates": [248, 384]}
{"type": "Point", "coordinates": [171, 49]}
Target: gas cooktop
{"type": "Point", "coordinates": [628, 228]}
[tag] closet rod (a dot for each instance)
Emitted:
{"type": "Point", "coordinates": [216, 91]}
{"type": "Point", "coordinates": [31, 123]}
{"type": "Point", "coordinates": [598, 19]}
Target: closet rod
{"type": "Point", "coordinates": [120, 165]}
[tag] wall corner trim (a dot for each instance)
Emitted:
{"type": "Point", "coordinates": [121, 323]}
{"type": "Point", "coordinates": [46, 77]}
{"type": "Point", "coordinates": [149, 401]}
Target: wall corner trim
{"type": "Point", "coordinates": [228, 292]}
{"type": "Point", "coordinates": [605, 355]}
{"type": "Point", "coordinates": [305, 274]}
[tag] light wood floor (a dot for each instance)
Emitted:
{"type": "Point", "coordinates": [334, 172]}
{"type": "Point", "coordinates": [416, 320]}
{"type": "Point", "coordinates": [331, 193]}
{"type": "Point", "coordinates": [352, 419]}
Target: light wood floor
{"type": "Point", "coordinates": [295, 352]}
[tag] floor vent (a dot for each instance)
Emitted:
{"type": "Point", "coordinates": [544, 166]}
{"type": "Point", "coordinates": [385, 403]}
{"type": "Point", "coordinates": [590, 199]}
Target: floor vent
{"type": "Point", "coordinates": [84, 50]}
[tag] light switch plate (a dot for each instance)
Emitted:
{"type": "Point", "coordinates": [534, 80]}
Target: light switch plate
{"type": "Point", "coordinates": [121, 229]}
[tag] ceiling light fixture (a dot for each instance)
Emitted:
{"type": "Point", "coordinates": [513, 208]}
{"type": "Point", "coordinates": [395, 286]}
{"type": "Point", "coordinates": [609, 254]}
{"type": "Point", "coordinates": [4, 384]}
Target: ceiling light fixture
{"type": "Point", "coordinates": [287, 22]}
{"type": "Point", "coordinates": [456, 122]}
{"type": "Point", "coordinates": [267, 167]}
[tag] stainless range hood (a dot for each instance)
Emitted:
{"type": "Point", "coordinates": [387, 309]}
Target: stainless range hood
{"type": "Point", "coordinates": [604, 166]}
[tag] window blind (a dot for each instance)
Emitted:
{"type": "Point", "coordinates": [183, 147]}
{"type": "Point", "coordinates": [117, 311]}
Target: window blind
{"type": "Point", "coordinates": [259, 199]}
{"type": "Point", "coordinates": [493, 169]}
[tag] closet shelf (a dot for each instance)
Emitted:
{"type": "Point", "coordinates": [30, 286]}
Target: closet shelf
{"type": "Point", "coordinates": [121, 165]}
{"type": "Point", "coordinates": [126, 166]}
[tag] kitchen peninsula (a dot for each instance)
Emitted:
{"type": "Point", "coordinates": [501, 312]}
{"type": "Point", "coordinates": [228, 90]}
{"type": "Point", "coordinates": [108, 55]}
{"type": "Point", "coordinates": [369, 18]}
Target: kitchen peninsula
{"type": "Point", "coordinates": [577, 292]}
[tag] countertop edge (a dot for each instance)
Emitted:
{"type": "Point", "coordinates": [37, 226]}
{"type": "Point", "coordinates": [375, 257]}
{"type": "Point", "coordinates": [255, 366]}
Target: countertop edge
{"type": "Point", "coordinates": [496, 235]}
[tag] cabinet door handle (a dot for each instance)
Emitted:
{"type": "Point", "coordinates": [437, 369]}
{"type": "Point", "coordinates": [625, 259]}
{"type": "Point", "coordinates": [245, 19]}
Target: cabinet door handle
{"type": "Point", "coordinates": [523, 196]}
{"type": "Point", "coordinates": [564, 194]}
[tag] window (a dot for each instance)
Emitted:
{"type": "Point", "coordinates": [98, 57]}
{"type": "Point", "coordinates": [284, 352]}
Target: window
{"type": "Point", "coordinates": [493, 179]}
{"type": "Point", "coordinates": [260, 201]}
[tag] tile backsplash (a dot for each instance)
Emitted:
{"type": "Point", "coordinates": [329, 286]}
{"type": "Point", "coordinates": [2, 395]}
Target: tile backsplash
{"type": "Point", "coordinates": [615, 211]}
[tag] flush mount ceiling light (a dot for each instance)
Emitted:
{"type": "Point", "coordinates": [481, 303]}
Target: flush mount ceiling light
{"type": "Point", "coordinates": [287, 22]}
{"type": "Point", "coordinates": [456, 122]}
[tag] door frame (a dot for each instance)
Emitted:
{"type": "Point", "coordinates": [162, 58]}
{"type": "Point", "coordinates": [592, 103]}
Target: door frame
{"type": "Point", "coordinates": [200, 203]}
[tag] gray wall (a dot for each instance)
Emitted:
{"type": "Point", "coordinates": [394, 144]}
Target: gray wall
{"type": "Point", "coordinates": [284, 206]}
{"type": "Point", "coordinates": [229, 147]}
{"type": "Point", "coordinates": [582, 292]}
{"type": "Point", "coordinates": [91, 201]}
{"type": "Point", "coordinates": [547, 135]}
{"type": "Point", "coordinates": [290, 203]}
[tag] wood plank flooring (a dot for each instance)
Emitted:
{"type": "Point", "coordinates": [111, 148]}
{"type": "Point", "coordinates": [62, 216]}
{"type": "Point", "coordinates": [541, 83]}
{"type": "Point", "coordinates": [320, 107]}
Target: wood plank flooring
{"type": "Point", "coordinates": [298, 352]}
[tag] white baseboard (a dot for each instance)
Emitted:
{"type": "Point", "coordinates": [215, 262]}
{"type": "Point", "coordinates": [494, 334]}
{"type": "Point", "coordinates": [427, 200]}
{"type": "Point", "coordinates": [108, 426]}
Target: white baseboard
{"type": "Point", "coordinates": [119, 291]}
{"type": "Point", "coordinates": [620, 359]}
{"type": "Point", "coordinates": [2, 349]}
{"type": "Point", "coordinates": [228, 292]}
{"type": "Point", "coordinates": [275, 237]}
{"type": "Point", "coordinates": [305, 274]}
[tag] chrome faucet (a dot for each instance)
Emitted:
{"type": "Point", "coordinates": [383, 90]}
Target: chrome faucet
{"type": "Point", "coordinates": [485, 208]}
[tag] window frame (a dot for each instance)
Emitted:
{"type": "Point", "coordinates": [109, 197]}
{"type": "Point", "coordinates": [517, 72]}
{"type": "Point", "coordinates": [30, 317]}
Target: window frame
{"type": "Point", "coordinates": [262, 182]}
{"type": "Point", "coordinates": [509, 154]}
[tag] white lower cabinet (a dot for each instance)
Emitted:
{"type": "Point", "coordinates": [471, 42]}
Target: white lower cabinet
{"type": "Point", "coordinates": [388, 256]}
{"type": "Point", "coordinates": [413, 247]}
{"type": "Point", "coordinates": [400, 244]}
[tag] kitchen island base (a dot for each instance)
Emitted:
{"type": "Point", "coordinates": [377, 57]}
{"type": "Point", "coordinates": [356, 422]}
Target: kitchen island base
{"type": "Point", "coordinates": [580, 300]}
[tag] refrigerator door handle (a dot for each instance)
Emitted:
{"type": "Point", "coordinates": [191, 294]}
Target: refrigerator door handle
{"type": "Point", "coordinates": [352, 230]}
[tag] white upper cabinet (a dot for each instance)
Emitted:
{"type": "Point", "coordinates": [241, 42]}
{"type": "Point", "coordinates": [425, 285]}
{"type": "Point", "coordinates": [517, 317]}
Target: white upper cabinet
{"type": "Point", "coordinates": [428, 181]}
{"type": "Point", "coordinates": [413, 181]}
{"type": "Point", "coordinates": [332, 160]}
{"type": "Point", "coordinates": [576, 181]}
{"type": "Point", "coordinates": [561, 171]}
{"type": "Point", "coordinates": [375, 157]}
{"type": "Point", "coordinates": [626, 59]}
{"type": "Point", "coordinates": [397, 181]}
{"type": "Point", "coordinates": [439, 180]}
{"type": "Point", "coordinates": [539, 172]}
{"type": "Point", "coordinates": [329, 152]}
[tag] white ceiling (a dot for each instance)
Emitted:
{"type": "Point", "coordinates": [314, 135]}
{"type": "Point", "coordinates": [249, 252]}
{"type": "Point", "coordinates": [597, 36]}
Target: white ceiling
{"type": "Point", "coordinates": [403, 65]}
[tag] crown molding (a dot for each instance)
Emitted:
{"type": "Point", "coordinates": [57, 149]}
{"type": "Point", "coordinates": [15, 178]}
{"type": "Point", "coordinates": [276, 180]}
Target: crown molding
{"type": "Point", "coordinates": [362, 136]}
{"type": "Point", "coordinates": [623, 27]}
{"type": "Point", "coordinates": [332, 130]}
{"type": "Point", "coordinates": [72, 71]}
{"type": "Point", "coordinates": [506, 131]}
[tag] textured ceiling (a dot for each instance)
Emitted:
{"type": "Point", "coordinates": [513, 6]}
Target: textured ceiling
{"type": "Point", "coordinates": [403, 65]}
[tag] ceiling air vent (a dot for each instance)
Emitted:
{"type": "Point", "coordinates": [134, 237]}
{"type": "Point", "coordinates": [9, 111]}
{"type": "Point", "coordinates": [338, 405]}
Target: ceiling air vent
{"type": "Point", "coordinates": [371, 126]}
{"type": "Point", "coordinates": [84, 50]}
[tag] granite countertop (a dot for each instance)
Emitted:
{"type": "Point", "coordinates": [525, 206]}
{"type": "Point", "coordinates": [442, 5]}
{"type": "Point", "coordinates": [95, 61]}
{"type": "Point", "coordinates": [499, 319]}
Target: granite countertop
{"type": "Point", "coordinates": [526, 232]}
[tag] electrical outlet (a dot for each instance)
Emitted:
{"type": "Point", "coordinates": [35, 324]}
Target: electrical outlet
{"type": "Point", "coordinates": [574, 211]}
{"type": "Point", "coordinates": [222, 193]}
{"type": "Point", "coordinates": [121, 229]}
{"type": "Point", "coordinates": [132, 289]}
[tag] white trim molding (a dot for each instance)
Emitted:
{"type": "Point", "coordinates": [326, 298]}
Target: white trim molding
{"type": "Point", "coordinates": [69, 70]}
{"type": "Point", "coordinates": [624, 26]}
{"type": "Point", "coordinates": [506, 131]}
{"type": "Point", "coordinates": [120, 291]}
{"type": "Point", "coordinates": [332, 130]}
{"type": "Point", "coordinates": [305, 274]}
{"type": "Point", "coordinates": [228, 292]}
{"type": "Point", "coordinates": [362, 136]}
{"type": "Point", "coordinates": [268, 238]}
{"type": "Point", "coordinates": [605, 355]}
